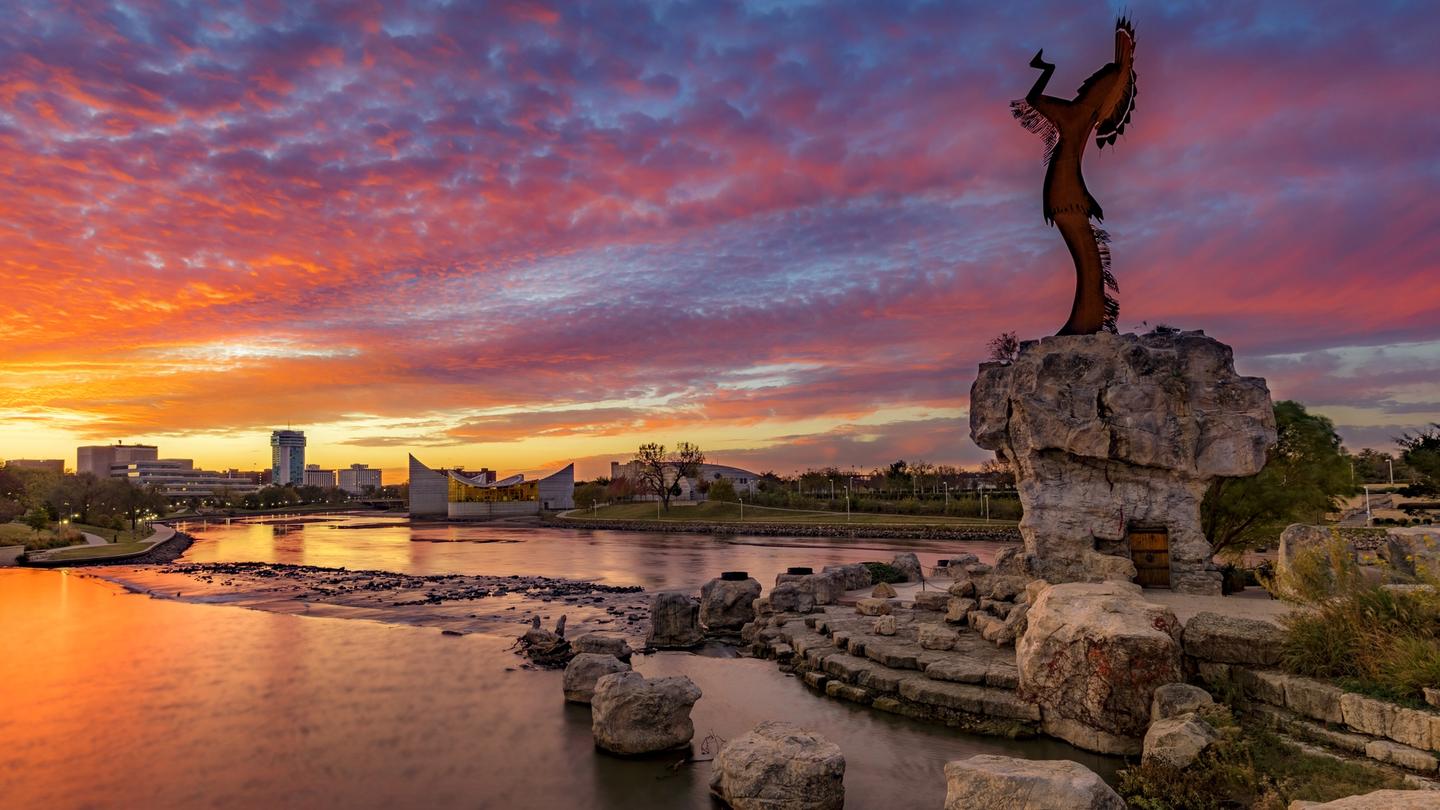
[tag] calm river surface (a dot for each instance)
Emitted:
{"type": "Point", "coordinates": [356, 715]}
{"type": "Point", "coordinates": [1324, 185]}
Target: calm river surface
{"type": "Point", "coordinates": [652, 560]}
{"type": "Point", "coordinates": [116, 699]}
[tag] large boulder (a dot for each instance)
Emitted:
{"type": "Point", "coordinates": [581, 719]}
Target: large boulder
{"type": "Point", "coordinates": [632, 714]}
{"type": "Point", "coordinates": [674, 621]}
{"type": "Point", "coordinates": [1109, 431]}
{"type": "Point", "coordinates": [1177, 741]}
{"type": "Point", "coordinates": [584, 670]}
{"type": "Point", "coordinates": [855, 575]}
{"type": "Point", "coordinates": [1005, 783]}
{"type": "Point", "coordinates": [780, 766]}
{"type": "Point", "coordinates": [1303, 538]}
{"type": "Point", "coordinates": [1092, 656]}
{"type": "Point", "coordinates": [727, 605]}
{"type": "Point", "coordinates": [789, 597]}
{"type": "Point", "coordinates": [909, 565]}
{"type": "Point", "coordinates": [1223, 639]}
{"type": "Point", "coordinates": [1412, 554]}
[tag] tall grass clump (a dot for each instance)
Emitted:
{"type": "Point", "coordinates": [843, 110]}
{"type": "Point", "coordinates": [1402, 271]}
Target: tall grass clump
{"type": "Point", "coordinates": [1356, 631]}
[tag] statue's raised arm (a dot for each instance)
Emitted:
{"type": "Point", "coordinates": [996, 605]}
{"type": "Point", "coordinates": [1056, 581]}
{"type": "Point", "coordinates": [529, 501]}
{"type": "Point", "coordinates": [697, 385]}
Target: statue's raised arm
{"type": "Point", "coordinates": [1102, 105]}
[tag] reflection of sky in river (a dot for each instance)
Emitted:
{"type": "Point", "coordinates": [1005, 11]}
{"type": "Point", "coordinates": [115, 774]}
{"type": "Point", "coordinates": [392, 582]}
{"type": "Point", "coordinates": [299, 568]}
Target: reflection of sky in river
{"type": "Point", "coordinates": [652, 560]}
{"type": "Point", "coordinates": [120, 700]}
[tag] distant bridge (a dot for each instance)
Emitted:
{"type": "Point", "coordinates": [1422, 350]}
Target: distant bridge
{"type": "Point", "coordinates": [381, 503]}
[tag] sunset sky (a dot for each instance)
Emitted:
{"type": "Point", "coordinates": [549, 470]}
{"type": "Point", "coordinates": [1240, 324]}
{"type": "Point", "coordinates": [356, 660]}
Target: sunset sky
{"type": "Point", "coordinates": [519, 233]}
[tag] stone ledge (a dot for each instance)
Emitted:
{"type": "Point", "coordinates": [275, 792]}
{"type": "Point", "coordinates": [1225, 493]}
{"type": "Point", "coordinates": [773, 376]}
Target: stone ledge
{"type": "Point", "coordinates": [1412, 729]}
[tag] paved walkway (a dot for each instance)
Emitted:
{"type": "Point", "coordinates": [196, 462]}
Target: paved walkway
{"type": "Point", "coordinates": [94, 539]}
{"type": "Point", "coordinates": [1254, 602]}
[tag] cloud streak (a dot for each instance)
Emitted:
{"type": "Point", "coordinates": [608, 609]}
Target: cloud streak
{"type": "Point", "coordinates": [584, 223]}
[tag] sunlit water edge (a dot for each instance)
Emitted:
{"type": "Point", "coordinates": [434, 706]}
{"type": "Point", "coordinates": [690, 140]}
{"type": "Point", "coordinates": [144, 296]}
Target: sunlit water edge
{"type": "Point", "coordinates": [134, 700]}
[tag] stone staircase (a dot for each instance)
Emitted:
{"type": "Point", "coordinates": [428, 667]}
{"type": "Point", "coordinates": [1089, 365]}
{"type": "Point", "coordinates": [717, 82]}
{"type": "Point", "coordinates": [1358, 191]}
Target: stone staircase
{"type": "Point", "coordinates": [972, 686]}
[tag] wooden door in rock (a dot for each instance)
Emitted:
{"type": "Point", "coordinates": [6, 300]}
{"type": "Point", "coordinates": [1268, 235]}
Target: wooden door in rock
{"type": "Point", "coordinates": [1150, 550]}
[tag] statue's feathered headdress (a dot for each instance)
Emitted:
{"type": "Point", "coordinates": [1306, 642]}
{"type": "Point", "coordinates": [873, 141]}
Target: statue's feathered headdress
{"type": "Point", "coordinates": [1116, 108]}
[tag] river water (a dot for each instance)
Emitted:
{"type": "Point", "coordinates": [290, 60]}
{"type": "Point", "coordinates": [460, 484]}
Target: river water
{"type": "Point", "coordinates": [115, 699]}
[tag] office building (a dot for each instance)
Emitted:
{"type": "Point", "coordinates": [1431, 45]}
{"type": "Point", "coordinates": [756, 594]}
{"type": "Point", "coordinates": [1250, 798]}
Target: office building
{"type": "Point", "coordinates": [287, 457]}
{"type": "Point", "coordinates": [97, 459]}
{"type": "Point", "coordinates": [316, 477]}
{"type": "Point", "coordinates": [178, 478]}
{"type": "Point", "coordinates": [357, 477]}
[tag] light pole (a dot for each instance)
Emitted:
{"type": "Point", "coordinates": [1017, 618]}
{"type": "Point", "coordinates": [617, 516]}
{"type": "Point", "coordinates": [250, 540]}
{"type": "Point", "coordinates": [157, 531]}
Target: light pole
{"type": "Point", "coordinates": [1390, 462]}
{"type": "Point", "coordinates": [742, 508]}
{"type": "Point", "coordinates": [847, 503]}
{"type": "Point", "coordinates": [947, 497]}
{"type": "Point", "coordinates": [1369, 518]}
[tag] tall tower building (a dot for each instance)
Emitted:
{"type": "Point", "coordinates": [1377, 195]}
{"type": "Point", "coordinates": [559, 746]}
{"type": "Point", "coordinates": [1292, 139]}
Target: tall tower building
{"type": "Point", "coordinates": [287, 457]}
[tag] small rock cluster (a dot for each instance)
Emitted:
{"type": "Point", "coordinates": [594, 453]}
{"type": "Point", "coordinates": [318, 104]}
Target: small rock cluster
{"type": "Point", "coordinates": [993, 600]}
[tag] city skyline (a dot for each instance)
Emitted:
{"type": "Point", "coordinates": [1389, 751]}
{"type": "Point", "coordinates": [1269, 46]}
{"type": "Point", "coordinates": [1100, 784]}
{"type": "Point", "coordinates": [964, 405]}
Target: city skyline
{"type": "Point", "coordinates": [541, 235]}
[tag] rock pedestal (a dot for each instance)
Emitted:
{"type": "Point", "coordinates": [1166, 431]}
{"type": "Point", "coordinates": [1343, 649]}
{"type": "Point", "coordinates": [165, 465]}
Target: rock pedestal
{"type": "Point", "coordinates": [674, 622]}
{"type": "Point", "coordinates": [780, 766]}
{"type": "Point", "coordinates": [1092, 657]}
{"type": "Point", "coordinates": [630, 714]}
{"type": "Point", "coordinates": [1112, 432]}
{"type": "Point", "coordinates": [728, 605]}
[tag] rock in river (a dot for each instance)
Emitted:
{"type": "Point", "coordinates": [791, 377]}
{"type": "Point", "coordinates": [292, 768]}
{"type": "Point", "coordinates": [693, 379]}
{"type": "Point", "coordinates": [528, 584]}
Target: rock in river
{"type": "Point", "coordinates": [780, 766]}
{"type": "Point", "coordinates": [632, 714]}
{"type": "Point", "coordinates": [728, 605]}
{"type": "Point", "coordinates": [674, 621]}
{"type": "Point", "coordinates": [584, 670]}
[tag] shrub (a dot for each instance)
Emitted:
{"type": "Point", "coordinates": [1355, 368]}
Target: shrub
{"type": "Point", "coordinates": [1370, 638]}
{"type": "Point", "coordinates": [1249, 766]}
{"type": "Point", "coordinates": [884, 572]}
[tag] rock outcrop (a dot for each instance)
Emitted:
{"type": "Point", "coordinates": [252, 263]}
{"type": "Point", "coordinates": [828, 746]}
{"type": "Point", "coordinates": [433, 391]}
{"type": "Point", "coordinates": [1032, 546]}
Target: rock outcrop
{"type": "Point", "coordinates": [1092, 657]}
{"type": "Point", "coordinates": [727, 605]}
{"type": "Point", "coordinates": [632, 714]}
{"type": "Point", "coordinates": [674, 622]}
{"type": "Point", "coordinates": [584, 670]}
{"type": "Point", "coordinates": [1026, 784]}
{"type": "Point", "coordinates": [780, 766]}
{"type": "Point", "coordinates": [1113, 432]}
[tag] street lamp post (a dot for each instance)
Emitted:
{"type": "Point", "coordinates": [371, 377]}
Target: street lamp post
{"type": "Point", "coordinates": [742, 508]}
{"type": "Point", "coordinates": [1390, 462]}
{"type": "Point", "coordinates": [847, 503]}
{"type": "Point", "coordinates": [1369, 517]}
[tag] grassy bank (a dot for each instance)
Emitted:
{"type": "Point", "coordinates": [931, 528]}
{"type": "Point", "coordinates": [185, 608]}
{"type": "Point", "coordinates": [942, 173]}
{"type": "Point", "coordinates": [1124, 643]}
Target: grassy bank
{"type": "Point", "coordinates": [719, 512]}
{"type": "Point", "coordinates": [114, 536]}
{"type": "Point", "coordinates": [95, 552]}
{"type": "Point", "coordinates": [18, 534]}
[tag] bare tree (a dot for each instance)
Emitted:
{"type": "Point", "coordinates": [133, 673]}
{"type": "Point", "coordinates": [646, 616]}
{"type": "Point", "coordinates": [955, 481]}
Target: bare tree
{"type": "Point", "coordinates": [1004, 348]}
{"type": "Point", "coordinates": [660, 471]}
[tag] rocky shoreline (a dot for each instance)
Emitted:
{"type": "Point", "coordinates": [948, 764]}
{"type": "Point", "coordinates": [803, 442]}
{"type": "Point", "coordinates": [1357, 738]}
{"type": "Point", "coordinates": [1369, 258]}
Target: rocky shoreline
{"type": "Point", "coordinates": [962, 533]}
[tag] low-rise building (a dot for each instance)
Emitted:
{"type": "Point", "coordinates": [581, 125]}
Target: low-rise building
{"type": "Point", "coordinates": [356, 478]}
{"type": "Point", "coordinates": [316, 477]}
{"type": "Point", "coordinates": [743, 481]}
{"type": "Point", "coordinates": [178, 478]}
{"type": "Point", "coordinates": [97, 459]}
{"type": "Point", "coordinates": [458, 494]}
{"type": "Point", "coordinates": [54, 465]}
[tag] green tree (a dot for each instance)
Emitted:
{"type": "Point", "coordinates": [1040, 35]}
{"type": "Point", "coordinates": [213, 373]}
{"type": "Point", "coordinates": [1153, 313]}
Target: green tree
{"type": "Point", "coordinates": [588, 494]}
{"type": "Point", "coordinates": [660, 471]}
{"type": "Point", "coordinates": [37, 518]}
{"type": "Point", "coordinates": [1421, 452]}
{"type": "Point", "coordinates": [1304, 474]}
{"type": "Point", "coordinates": [722, 490]}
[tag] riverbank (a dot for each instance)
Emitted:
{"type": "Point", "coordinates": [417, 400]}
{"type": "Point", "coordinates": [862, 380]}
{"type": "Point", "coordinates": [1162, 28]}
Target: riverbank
{"type": "Point", "coordinates": [162, 546]}
{"type": "Point", "coordinates": [455, 603]}
{"type": "Point", "coordinates": [961, 533]}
